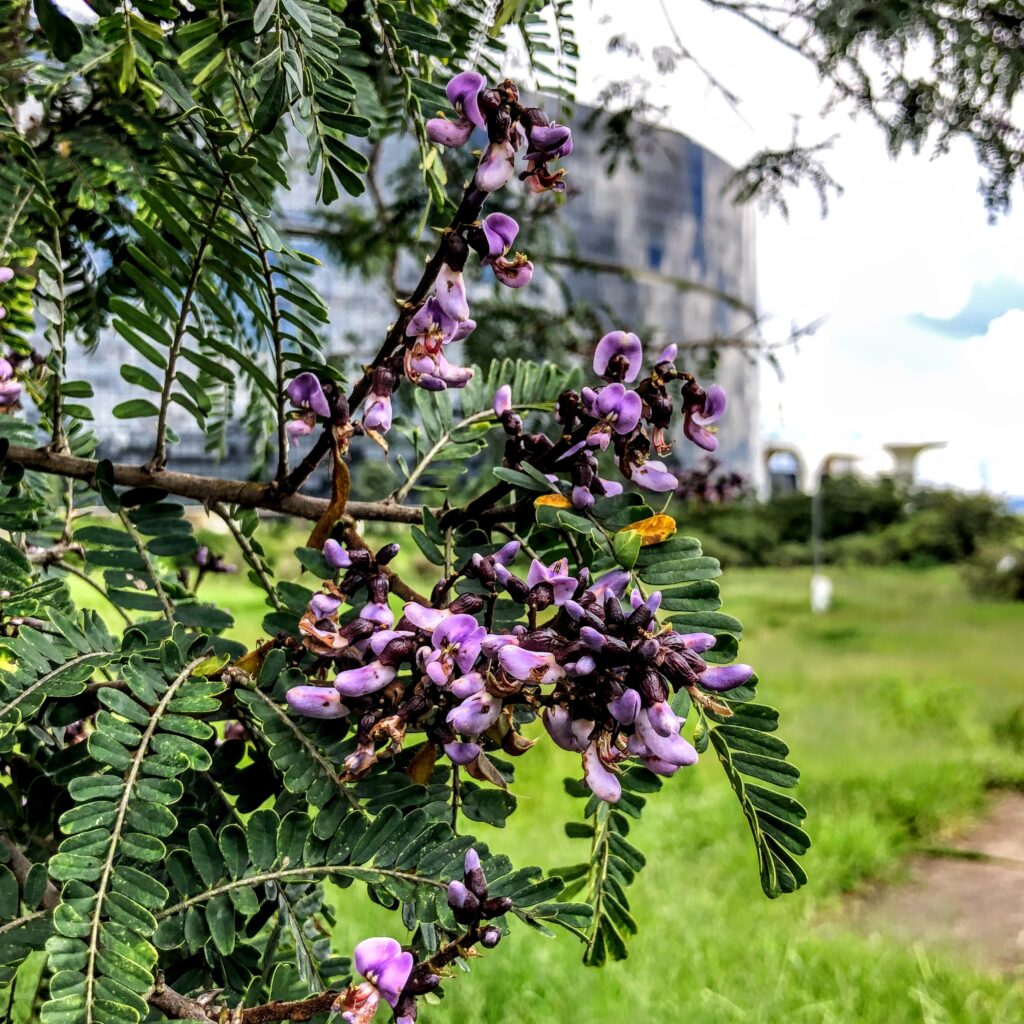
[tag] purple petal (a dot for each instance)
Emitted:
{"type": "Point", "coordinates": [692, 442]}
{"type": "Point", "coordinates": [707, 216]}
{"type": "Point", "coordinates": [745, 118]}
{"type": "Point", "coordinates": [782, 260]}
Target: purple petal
{"type": "Point", "coordinates": [614, 582]}
{"type": "Point", "coordinates": [465, 686]}
{"type": "Point", "coordinates": [549, 138]}
{"type": "Point", "coordinates": [663, 719]}
{"type": "Point", "coordinates": [582, 498]}
{"type": "Point", "coordinates": [431, 318]}
{"type": "Point", "coordinates": [476, 714]}
{"type": "Point", "coordinates": [305, 392]}
{"type": "Point", "coordinates": [335, 555]}
{"type": "Point", "coordinates": [392, 978]}
{"type": "Point", "coordinates": [512, 273]}
{"type": "Point", "coordinates": [592, 638]}
{"type": "Point", "coordinates": [603, 783]}
{"type": "Point", "coordinates": [583, 666]}
{"type": "Point", "coordinates": [462, 753]}
{"type": "Point", "coordinates": [454, 629]}
{"type": "Point", "coordinates": [654, 476]}
{"type": "Point", "coordinates": [451, 293]}
{"type": "Point", "coordinates": [6, 274]}
{"type": "Point", "coordinates": [463, 93]}
{"type": "Point", "coordinates": [700, 436]}
{"type": "Point", "coordinates": [623, 343]}
{"type": "Point", "coordinates": [372, 954]}
{"type": "Point", "coordinates": [660, 767]}
{"type": "Point", "coordinates": [506, 554]}
{"type": "Point", "coordinates": [297, 429]}
{"type": "Point", "coordinates": [673, 749]}
{"type": "Point", "coordinates": [453, 376]}
{"type": "Point", "coordinates": [383, 637]}
{"type": "Point", "coordinates": [714, 405]}
{"type": "Point", "coordinates": [502, 400]}
{"type": "Point", "coordinates": [668, 354]}
{"type": "Point", "coordinates": [323, 606]}
{"type": "Point", "coordinates": [494, 642]}
{"type": "Point", "coordinates": [378, 413]}
{"type": "Point", "coordinates": [358, 682]}
{"type": "Point", "coordinates": [530, 666]}
{"type": "Point", "coordinates": [560, 728]}
{"type": "Point", "coordinates": [316, 701]}
{"type": "Point", "coordinates": [698, 642]}
{"type": "Point", "coordinates": [458, 894]}
{"type": "Point", "coordinates": [625, 707]}
{"type": "Point", "coordinates": [6, 370]}
{"type": "Point", "coordinates": [496, 166]}
{"type": "Point", "coordinates": [611, 487]}
{"type": "Point", "coordinates": [443, 132]}
{"type": "Point", "coordinates": [464, 329]}
{"type": "Point", "coordinates": [378, 612]}
{"type": "Point", "coordinates": [471, 862]}
{"type": "Point", "coordinates": [500, 231]}
{"type": "Point", "coordinates": [427, 619]}
{"type": "Point", "coordinates": [725, 677]}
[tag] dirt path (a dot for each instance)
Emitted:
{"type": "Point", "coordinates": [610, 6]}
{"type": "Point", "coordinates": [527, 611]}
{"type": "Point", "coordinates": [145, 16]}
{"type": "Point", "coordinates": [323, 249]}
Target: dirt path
{"type": "Point", "coordinates": [973, 906]}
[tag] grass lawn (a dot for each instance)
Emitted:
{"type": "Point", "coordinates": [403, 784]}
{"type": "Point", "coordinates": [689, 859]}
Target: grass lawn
{"type": "Point", "coordinates": [899, 706]}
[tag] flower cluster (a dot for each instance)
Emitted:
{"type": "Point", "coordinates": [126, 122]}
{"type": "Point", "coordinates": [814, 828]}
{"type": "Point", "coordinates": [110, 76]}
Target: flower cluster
{"type": "Point", "coordinates": [437, 670]}
{"type": "Point", "coordinates": [392, 974]}
{"type": "Point", "coordinates": [306, 394]}
{"type": "Point", "coordinates": [444, 317]}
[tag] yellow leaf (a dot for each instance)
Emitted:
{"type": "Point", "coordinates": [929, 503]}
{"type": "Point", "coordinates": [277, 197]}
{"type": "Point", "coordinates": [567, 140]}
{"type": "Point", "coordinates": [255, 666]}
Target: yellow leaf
{"type": "Point", "coordinates": [554, 500]}
{"type": "Point", "coordinates": [653, 530]}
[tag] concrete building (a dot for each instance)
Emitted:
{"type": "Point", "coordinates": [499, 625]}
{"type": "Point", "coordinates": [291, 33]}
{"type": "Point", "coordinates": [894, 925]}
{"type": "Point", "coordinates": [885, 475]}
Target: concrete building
{"type": "Point", "coordinates": [659, 243]}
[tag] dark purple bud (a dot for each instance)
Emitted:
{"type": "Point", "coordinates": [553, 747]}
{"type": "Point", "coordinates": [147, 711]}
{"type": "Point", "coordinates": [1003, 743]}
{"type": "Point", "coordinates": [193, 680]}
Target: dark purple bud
{"type": "Point", "coordinates": [653, 688]}
{"type": "Point", "coordinates": [467, 604]}
{"type": "Point", "coordinates": [490, 937]}
{"type": "Point", "coordinates": [495, 907]}
{"type": "Point", "coordinates": [473, 876]}
{"type": "Point", "coordinates": [387, 553]}
{"type": "Point", "coordinates": [649, 649]}
{"type": "Point", "coordinates": [465, 906]}
{"type": "Point", "coordinates": [398, 650]}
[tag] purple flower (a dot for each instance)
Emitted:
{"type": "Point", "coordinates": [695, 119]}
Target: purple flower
{"type": "Point", "coordinates": [386, 968]}
{"type": "Point", "coordinates": [500, 232]}
{"type": "Point", "coordinates": [422, 617]}
{"type": "Point", "coordinates": [614, 408]}
{"type": "Point", "coordinates": [530, 666]}
{"type": "Point", "coordinates": [443, 132]}
{"type": "Point", "coordinates": [435, 373]}
{"type": "Point", "coordinates": [669, 353]}
{"type": "Point", "coordinates": [463, 93]}
{"type": "Point", "coordinates": [654, 476]}
{"type": "Point", "coordinates": [457, 640]}
{"type": "Point", "coordinates": [475, 714]}
{"type": "Point", "coordinates": [432, 326]}
{"type": "Point", "coordinates": [503, 404]}
{"type": "Point", "coordinates": [7, 371]}
{"type": "Point", "coordinates": [316, 701]}
{"type": "Point", "coordinates": [557, 577]}
{"type": "Point", "coordinates": [497, 166]}
{"type": "Point", "coordinates": [696, 421]}
{"type": "Point", "coordinates": [725, 677]}
{"type": "Point", "coordinates": [451, 293]}
{"type": "Point", "coordinates": [618, 356]}
{"type": "Point", "coordinates": [305, 392]}
{"type": "Point", "coordinates": [603, 782]}
{"type": "Point", "coordinates": [335, 555]}
{"type": "Point", "coordinates": [358, 682]}
{"type": "Point", "coordinates": [653, 602]}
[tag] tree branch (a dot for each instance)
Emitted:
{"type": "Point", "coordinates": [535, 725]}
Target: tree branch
{"type": "Point", "coordinates": [206, 489]}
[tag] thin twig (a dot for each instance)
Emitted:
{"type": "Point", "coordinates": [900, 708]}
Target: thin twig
{"type": "Point", "coordinates": [154, 575]}
{"type": "Point", "coordinates": [249, 554]}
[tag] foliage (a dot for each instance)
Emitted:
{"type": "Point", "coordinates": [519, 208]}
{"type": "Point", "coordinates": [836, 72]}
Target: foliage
{"type": "Point", "coordinates": [180, 810]}
{"type": "Point", "coordinates": [863, 522]}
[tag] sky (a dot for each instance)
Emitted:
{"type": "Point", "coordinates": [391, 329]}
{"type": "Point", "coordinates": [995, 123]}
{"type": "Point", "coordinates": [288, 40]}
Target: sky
{"type": "Point", "coordinates": [924, 298]}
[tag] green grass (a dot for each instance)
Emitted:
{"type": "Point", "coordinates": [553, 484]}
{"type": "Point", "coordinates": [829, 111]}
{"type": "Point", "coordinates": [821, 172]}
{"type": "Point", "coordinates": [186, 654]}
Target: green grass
{"type": "Point", "coordinates": [899, 707]}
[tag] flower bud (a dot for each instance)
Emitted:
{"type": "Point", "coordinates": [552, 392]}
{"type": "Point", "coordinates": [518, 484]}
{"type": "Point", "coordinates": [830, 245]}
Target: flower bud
{"type": "Point", "coordinates": [465, 905]}
{"type": "Point", "coordinates": [387, 553]}
{"type": "Point", "coordinates": [474, 878]}
{"type": "Point", "coordinates": [467, 604]}
{"type": "Point", "coordinates": [490, 937]}
{"type": "Point", "coordinates": [495, 907]}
